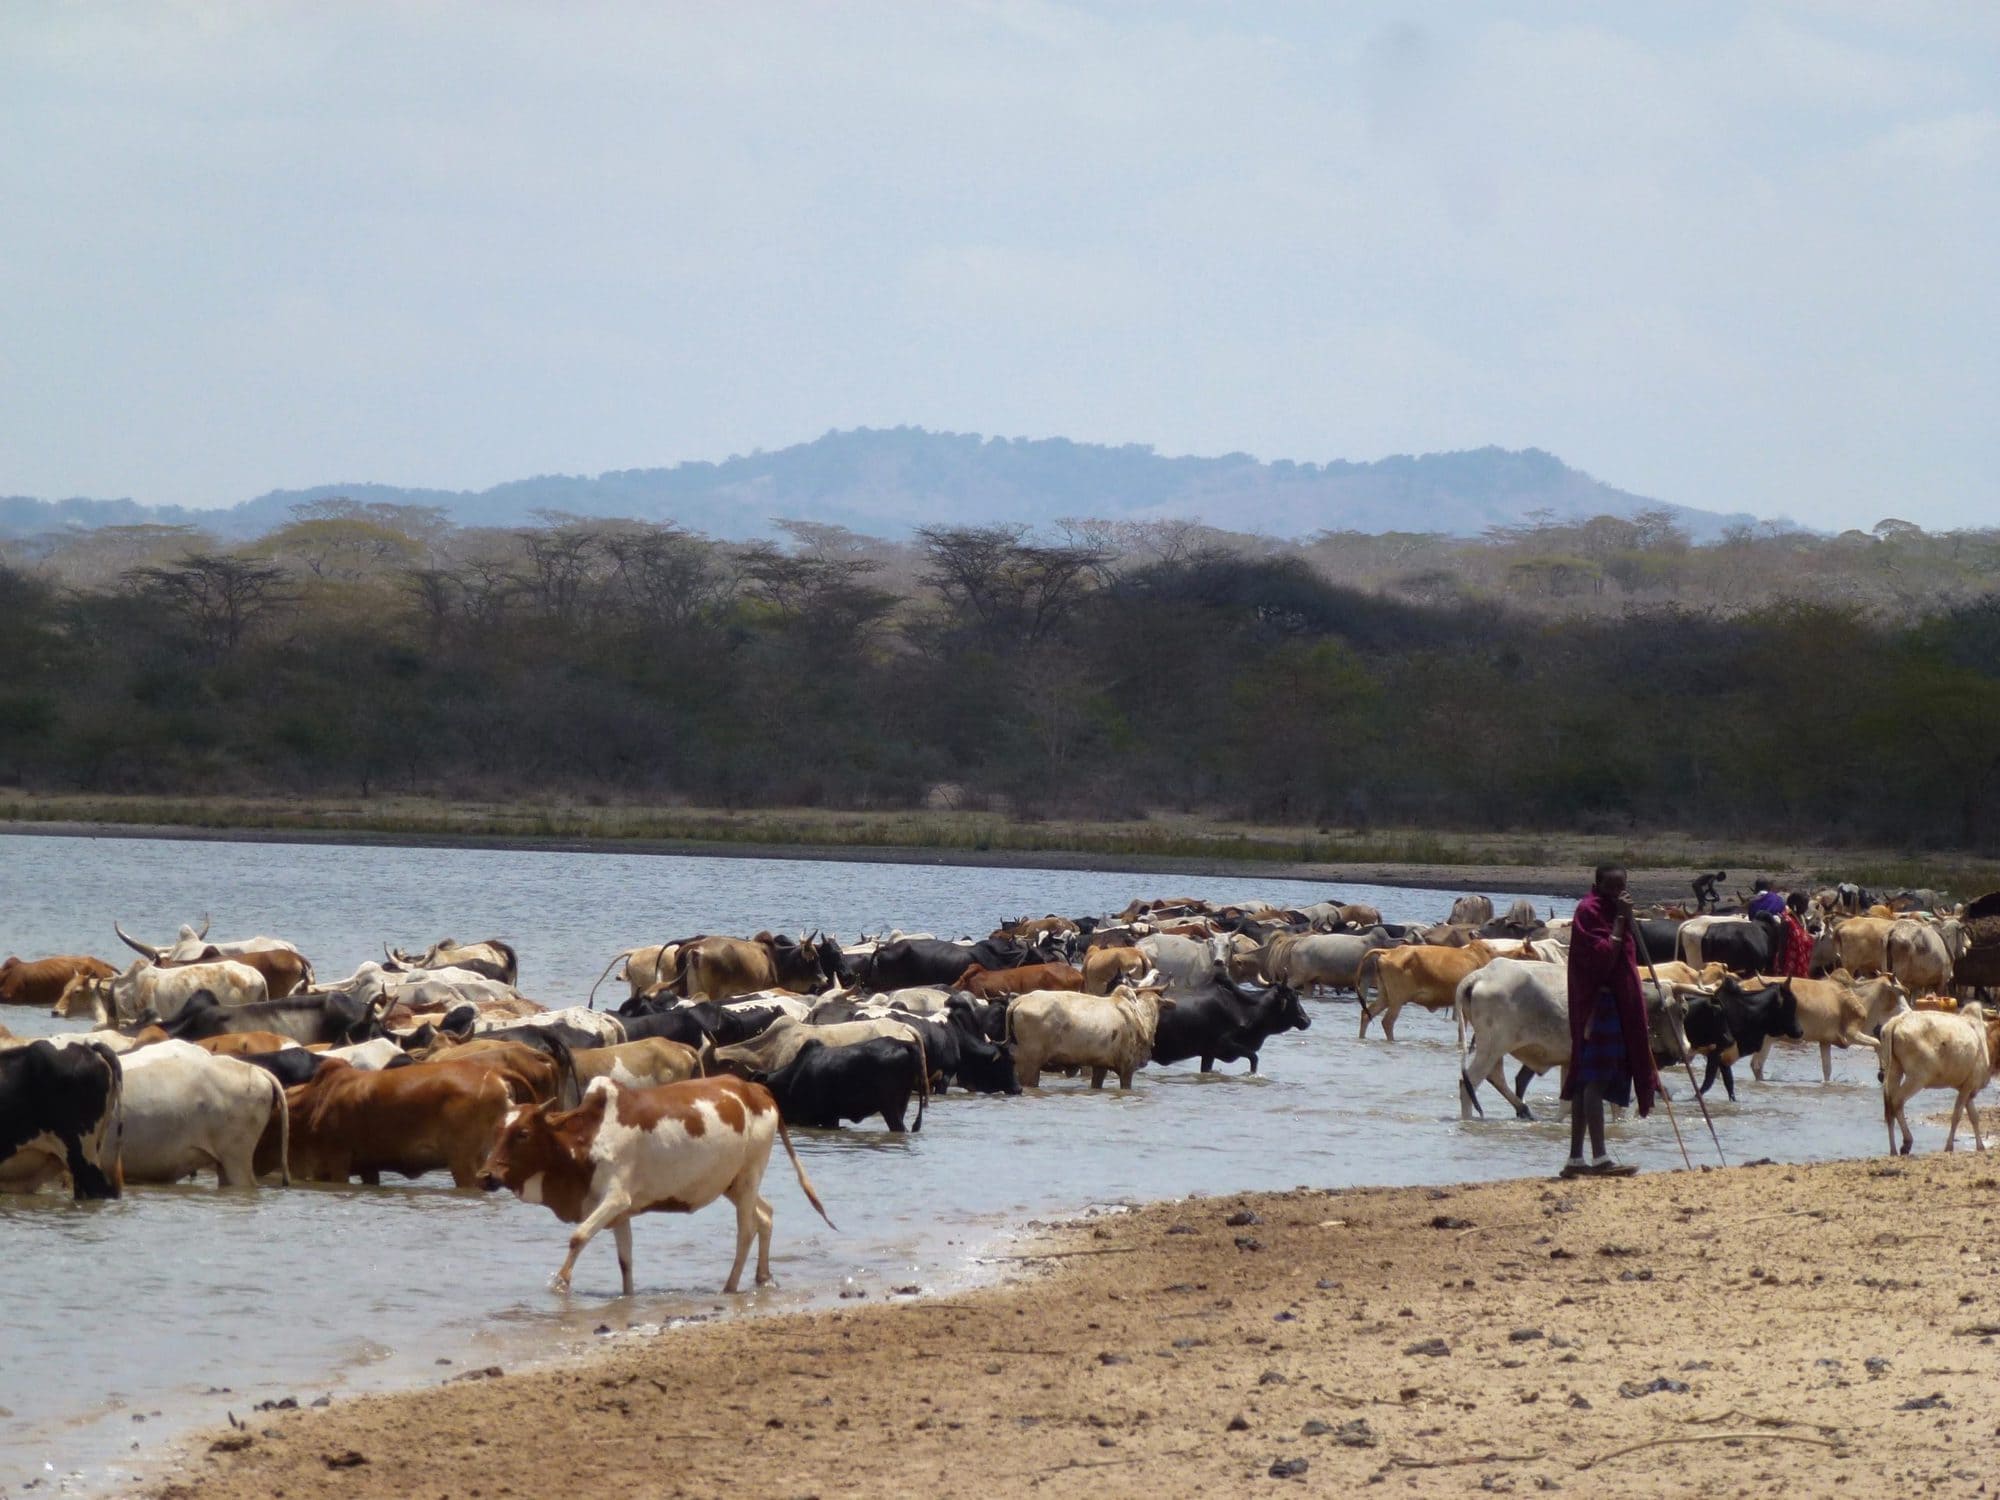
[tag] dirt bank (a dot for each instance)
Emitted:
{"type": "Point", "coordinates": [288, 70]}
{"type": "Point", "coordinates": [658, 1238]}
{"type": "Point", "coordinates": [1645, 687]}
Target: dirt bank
{"type": "Point", "coordinates": [1812, 1329]}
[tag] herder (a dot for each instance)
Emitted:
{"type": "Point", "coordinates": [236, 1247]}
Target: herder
{"type": "Point", "coordinates": [1611, 1055]}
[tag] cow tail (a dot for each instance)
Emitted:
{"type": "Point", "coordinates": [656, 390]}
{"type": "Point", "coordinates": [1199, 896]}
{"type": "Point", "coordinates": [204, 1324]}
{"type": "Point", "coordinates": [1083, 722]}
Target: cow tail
{"type": "Point", "coordinates": [114, 1105]}
{"type": "Point", "coordinates": [923, 1079]}
{"type": "Point", "coordinates": [677, 982]}
{"type": "Point", "coordinates": [1372, 959]}
{"type": "Point", "coordinates": [590, 1000]}
{"type": "Point", "coordinates": [284, 1132]}
{"type": "Point", "coordinates": [569, 1094]}
{"type": "Point", "coordinates": [805, 1182]}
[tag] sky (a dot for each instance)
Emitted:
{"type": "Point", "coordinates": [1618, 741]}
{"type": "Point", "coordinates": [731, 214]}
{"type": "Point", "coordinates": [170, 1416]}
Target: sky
{"type": "Point", "coordinates": [1737, 256]}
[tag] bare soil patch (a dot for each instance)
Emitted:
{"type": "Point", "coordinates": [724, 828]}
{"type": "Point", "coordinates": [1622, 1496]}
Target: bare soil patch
{"type": "Point", "coordinates": [1816, 1329]}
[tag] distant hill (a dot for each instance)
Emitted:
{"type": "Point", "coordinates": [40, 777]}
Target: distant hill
{"type": "Point", "coordinates": [886, 481]}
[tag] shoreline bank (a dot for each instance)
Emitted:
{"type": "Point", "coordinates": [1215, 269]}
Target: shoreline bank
{"type": "Point", "coordinates": [1566, 877]}
{"type": "Point", "coordinates": [1711, 1333]}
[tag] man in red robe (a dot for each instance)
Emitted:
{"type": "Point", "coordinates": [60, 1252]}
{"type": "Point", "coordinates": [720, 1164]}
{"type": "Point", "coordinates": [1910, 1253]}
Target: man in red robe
{"type": "Point", "coordinates": [1610, 1052]}
{"type": "Point", "coordinates": [1796, 962]}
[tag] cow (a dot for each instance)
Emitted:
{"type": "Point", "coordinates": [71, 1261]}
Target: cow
{"type": "Point", "coordinates": [1921, 954]}
{"type": "Point", "coordinates": [1742, 944]}
{"type": "Point", "coordinates": [1519, 1008]}
{"type": "Point", "coordinates": [146, 992]}
{"type": "Point", "coordinates": [1860, 945]}
{"type": "Point", "coordinates": [989, 984]}
{"type": "Point", "coordinates": [645, 1064]}
{"type": "Point", "coordinates": [720, 968]}
{"type": "Point", "coordinates": [644, 967]}
{"type": "Point", "coordinates": [578, 1026]}
{"type": "Point", "coordinates": [956, 1051]}
{"type": "Point", "coordinates": [1104, 969]}
{"type": "Point", "coordinates": [40, 982]}
{"type": "Point", "coordinates": [493, 958]}
{"type": "Point", "coordinates": [1316, 961]}
{"type": "Point", "coordinates": [1225, 1022]}
{"type": "Point", "coordinates": [775, 1046]}
{"type": "Point", "coordinates": [188, 1111]}
{"type": "Point", "coordinates": [1178, 960]}
{"type": "Point", "coordinates": [1424, 974]}
{"type": "Point", "coordinates": [284, 968]}
{"type": "Point", "coordinates": [331, 1019]}
{"type": "Point", "coordinates": [291, 1064]}
{"type": "Point", "coordinates": [626, 1151]}
{"type": "Point", "coordinates": [61, 1113]}
{"type": "Point", "coordinates": [821, 1086]}
{"type": "Point", "coordinates": [908, 962]}
{"type": "Point", "coordinates": [1738, 1020]}
{"type": "Point", "coordinates": [1472, 911]}
{"type": "Point", "coordinates": [1105, 1033]}
{"type": "Point", "coordinates": [437, 1116]}
{"type": "Point", "coordinates": [1933, 1050]}
{"type": "Point", "coordinates": [1836, 1014]}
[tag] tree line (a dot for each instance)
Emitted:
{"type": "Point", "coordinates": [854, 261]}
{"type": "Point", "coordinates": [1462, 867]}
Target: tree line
{"type": "Point", "coordinates": [364, 650]}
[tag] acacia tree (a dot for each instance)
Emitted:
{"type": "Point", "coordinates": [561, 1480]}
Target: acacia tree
{"type": "Point", "coordinates": [217, 597]}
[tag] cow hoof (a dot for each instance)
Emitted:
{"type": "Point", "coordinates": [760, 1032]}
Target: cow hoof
{"type": "Point", "coordinates": [558, 1283]}
{"type": "Point", "coordinates": [1522, 1114]}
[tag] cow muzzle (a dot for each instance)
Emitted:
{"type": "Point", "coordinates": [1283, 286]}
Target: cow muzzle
{"type": "Point", "coordinates": [488, 1183]}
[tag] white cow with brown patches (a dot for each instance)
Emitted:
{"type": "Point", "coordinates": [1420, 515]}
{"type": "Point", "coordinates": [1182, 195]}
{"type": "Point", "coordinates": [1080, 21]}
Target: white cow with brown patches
{"type": "Point", "coordinates": [627, 1151]}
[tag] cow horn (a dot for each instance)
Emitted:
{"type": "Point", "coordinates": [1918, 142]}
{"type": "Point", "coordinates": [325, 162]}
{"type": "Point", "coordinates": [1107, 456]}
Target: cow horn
{"type": "Point", "coordinates": [135, 945]}
{"type": "Point", "coordinates": [395, 961]}
{"type": "Point", "coordinates": [203, 934]}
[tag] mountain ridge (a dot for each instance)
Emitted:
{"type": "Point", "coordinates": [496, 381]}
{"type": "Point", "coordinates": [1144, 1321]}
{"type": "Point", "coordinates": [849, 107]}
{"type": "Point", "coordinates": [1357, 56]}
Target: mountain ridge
{"type": "Point", "coordinates": [887, 481]}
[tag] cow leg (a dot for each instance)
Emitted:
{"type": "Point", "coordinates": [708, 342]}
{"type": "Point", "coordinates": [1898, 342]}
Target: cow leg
{"type": "Point", "coordinates": [1208, 1065]}
{"type": "Point", "coordinates": [621, 1233]}
{"type": "Point", "coordinates": [1521, 1081]}
{"type": "Point", "coordinates": [1757, 1062]}
{"type": "Point", "coordinates": [1498, 1078]}
{"type": "Point", "coordinates": [1125, 1079]}
{"type": "Point", "coordinates": [764, 1277]}
{"type": "Point", "coordinates": [1957, 1109]}
{"type": "Point", "coordinates": [235, 1171]}
{"type": "Point", "coordinates": [614, 1207]}
{"type": "Point", "coordinates": [1097, 1077]}
{"type": "Point", "coordinates": [743, 1193]}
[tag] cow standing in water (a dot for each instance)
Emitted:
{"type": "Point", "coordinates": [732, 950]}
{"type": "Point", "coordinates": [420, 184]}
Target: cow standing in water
{"type": "Point", "coordinates": [627, 1151]}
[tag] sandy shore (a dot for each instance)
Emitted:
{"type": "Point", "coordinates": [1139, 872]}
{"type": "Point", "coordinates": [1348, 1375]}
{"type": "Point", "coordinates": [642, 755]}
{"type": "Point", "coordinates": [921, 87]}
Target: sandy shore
{"type": "Point", "coordinates": [1818, 1329]}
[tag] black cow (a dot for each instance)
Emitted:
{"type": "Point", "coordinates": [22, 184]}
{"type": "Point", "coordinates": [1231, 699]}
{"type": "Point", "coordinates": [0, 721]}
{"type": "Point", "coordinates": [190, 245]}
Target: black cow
{"type": "Point", "coordinates": [957, 1054]}
{"type": "Point", "coordinates": [822, 1086]}
{"type": "Point", "coordinates": [337, 1019]}
{"type": "Point", "coordinates": [676, 1023]}
{"type": "Point", "coordinates": [1745, 947]}
{"type": "Point", "coordinates": [1740, 1020]}
{"type": "Point", "coordinates": [292, 1066]}
{"type": "Point", "coordinates": [723, 1022]}
{"type": "Point", "coordinates": [909, 962]}
{"type": "Point", "coordinates": [1224, 1021]}
{"type": "Point", "coordinates": [1661, 937]}
{"type": "Point", "coordinates": [68, 1094]}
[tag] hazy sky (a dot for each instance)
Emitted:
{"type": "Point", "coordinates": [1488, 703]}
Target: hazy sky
{"type": "Point", "coordinates": [1737, 256]}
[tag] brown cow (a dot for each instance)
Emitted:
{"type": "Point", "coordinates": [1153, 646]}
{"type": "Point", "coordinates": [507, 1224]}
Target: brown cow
{"type": "Point", "coordinates": [1104, 969]}
{"type": "Point", "coordinates": [628, 1151]}
{"type": "Point", "coordinates": [40, 982]}
{"type": "Point", "coordinates": [436, 1116]}
{"type": "Point", "coordinates": [720, 968]}
{"type": "Point", "coordinates": [990, 984]}
{"type": "Point", "coordinates": [531, 1072]}
{"type": "Point", "coordinates": [1425, 975]}
{"type": "Point", "coordinates": [238, 1044]}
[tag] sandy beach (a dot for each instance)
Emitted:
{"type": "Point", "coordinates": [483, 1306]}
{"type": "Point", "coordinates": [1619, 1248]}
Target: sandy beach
{"type": "Point", "coordinates": [1811, 1329]}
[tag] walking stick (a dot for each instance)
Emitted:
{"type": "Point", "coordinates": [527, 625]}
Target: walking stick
{"type": "Point", "coordinates": [1660, 989]}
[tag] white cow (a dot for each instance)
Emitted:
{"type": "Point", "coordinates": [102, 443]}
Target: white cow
{"type": "Point", "coordinates": [1183, 962]}
{"type": "Point", "coordinates": [1105, 1033]}
{"type": "Point", "coordinates": [1321, 960]}
{"type": "Point", "coordinates": [145, 992]}
{"type": "Point", "coordinates": [188, 1111]}
{"type": "Point", "coordinates": [1928, 1049]}
{"type": "Point", "coordinates": [1921, 954]}
{"type": "Point", "coordinates": [370, 1057]}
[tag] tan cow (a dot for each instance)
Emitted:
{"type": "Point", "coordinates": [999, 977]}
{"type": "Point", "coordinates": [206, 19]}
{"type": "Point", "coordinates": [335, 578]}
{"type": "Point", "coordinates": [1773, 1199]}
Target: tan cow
{"type": "Point", "coordinates": [1105, 1033]}
{"type": "Point", "coordinates": [435, 1116]}
{"type": "Point", "coordinates": [1836, 1014]}
{"type": "Point", "coordinates": [1924, 1049]}
{"type": "Point", "coordinates": [1860, 945]}
{"type": "Point", "coordinates": [1104, 969]}
{"type": "Point", "coordinates": [647, 1064]}
{"type": "Point", "coordinates": [1425, 975]}
{"type": "Point", "coordinates": [991, 984]}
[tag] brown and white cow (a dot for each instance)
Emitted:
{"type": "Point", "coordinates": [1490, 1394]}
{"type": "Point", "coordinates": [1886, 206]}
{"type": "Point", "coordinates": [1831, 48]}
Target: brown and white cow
{"type": "Point", "coordinates": [41, 981]}
{"type": "Point", "coordinates": [1104, 969]}
{"type": "Point", "coordinates": [631, 1151]}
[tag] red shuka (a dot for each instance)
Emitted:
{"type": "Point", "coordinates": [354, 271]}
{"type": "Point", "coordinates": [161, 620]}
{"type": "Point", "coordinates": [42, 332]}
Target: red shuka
{"type": "Point", "coordinates": [1596, 963]}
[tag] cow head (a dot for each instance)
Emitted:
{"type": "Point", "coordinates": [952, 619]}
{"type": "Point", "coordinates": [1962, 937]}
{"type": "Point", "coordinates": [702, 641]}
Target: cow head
{"type": "Point", "coordinates": [987, 1067]}
{"type": "Point", "coordinates": [533, 1159]}
{"type": "Point", "coordinates": [1291, 1011]}
{"type": "Point", "coordinates": [834, 967]}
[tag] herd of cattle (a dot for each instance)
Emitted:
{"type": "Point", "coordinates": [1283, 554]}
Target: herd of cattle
{"type": "Point", "coordinates": [236, 1058]}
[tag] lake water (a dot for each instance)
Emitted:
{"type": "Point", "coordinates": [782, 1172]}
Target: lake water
{"type": "Point", "coordinates": [128, 1322]}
